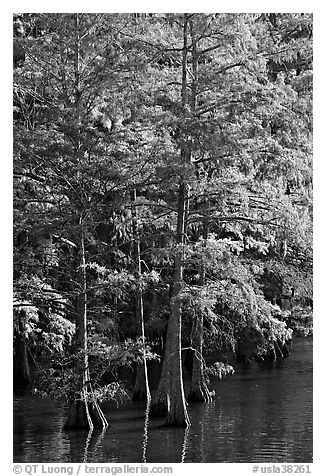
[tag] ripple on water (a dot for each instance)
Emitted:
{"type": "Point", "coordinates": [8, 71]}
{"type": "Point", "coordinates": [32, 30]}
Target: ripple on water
{"type": "Point", "coordinates": [259, 415]}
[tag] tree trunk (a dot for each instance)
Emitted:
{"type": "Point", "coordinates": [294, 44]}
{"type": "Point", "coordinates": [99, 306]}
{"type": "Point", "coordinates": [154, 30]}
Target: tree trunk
{"type": "Point", "coordinates": [21, 368]}
{"type": "Point", "coordinates": [198, 390]}
{"type": "Point", "coordinates": [170, 400]}
{"type": "Point", "coordinates": [141, 391]}
{"type": "Point", "coordinates": [85, 411]}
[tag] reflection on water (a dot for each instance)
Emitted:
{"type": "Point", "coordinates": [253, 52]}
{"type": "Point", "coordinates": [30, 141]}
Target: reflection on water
{"type": "Point", "coordinates": [259, 414]}
{"type": "Point", "coordinates": [145, 435]}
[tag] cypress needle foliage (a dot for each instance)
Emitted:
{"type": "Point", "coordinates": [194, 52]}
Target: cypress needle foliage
{"type": "Point", "coordinates": [161, 161]}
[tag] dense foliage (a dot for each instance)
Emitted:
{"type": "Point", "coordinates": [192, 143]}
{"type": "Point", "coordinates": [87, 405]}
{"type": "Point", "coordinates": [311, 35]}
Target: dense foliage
{"type": "Point", "coordinates": [120, 120]}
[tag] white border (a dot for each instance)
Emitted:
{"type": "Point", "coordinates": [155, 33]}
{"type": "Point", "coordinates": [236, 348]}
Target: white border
{"type": "Point", "coordinates": [319, 184]}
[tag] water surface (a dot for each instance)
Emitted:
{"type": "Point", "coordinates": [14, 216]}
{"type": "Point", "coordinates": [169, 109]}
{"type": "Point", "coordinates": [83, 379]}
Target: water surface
{"type": "Point", "coordinates": [261, 414]}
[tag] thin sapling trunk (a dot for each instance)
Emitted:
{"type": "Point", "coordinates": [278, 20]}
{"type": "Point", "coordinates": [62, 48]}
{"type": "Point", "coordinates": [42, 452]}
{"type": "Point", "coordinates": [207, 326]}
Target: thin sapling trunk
{"type": "Point", "coordinates": [85, 411]}
{"type": "Point", "coordinates": [142, 391]}
{"type": "Point", "coordinates": [198, 390]}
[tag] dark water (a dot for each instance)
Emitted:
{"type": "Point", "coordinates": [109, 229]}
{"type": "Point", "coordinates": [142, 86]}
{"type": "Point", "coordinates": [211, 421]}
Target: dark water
{"type": "Point", "coordinates": [259, 414]}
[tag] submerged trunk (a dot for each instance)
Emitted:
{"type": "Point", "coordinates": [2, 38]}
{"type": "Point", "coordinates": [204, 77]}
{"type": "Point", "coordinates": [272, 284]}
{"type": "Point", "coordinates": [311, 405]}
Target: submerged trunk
{"type": "Point", "coordinates": [170, 400]}
{"type": "Point", "coordinates": [85, 411]}
{"type": "Point", "coordinates": [85, 414]}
